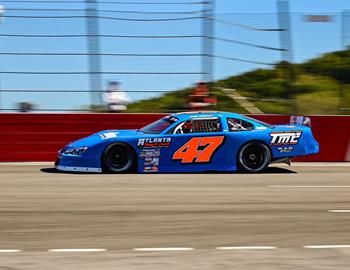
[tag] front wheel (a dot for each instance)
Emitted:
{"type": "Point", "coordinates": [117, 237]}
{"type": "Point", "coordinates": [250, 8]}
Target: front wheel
{"type": "Point", "coordinates": [118, 158]}
{"type": "Point", "coordinates": [254, 157]}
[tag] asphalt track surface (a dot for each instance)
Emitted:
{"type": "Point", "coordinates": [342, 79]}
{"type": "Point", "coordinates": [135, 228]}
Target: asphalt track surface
{"type": "Point", "coordinates": [294, 217]}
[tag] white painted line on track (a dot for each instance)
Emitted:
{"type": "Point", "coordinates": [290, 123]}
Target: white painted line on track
{"type": "Point", "coordinates": [78, 250]}
{"type": "Point", "coordinates": [164, 249]}
{"type": "Point", "coordinates": [10, 250]}
{"type": "Point", "coordinates": [327, 246]}
{"type": "Point", "coordinates": [45, 163]}
{"type": "Point", "coordinates": [319, 164]}
{"type": "Point", "coordinates": [289, 186]}
{"type": "Point", "coordinates": [339, 211]}
{"type": "Point", "coordinates": [322, 165]}
{"type": "Point", "coordinates": [246, 248]}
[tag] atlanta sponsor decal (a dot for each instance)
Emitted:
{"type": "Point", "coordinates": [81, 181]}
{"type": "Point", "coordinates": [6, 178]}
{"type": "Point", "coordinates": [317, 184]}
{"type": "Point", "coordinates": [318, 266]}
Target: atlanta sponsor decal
{"type": "Point", "coordinates": [153, 142]}
{"type": "Point", "coordinates": [287, 137]}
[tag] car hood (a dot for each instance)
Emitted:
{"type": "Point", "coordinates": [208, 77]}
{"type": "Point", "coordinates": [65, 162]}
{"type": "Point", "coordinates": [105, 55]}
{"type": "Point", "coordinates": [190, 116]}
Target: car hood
{"type": "Point", "coordinates": [102, 136]}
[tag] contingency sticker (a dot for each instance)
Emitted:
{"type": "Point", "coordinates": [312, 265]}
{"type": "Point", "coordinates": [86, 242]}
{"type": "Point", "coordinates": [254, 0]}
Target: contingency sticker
{"type": "Point", "coordinates": [153, 142]}
{"type": "Point", "coordinates": [287, 137]}
{"type": "Point", "coordinates": [151, 159]}
{"type": "Point", "coordinates": [285, 149]}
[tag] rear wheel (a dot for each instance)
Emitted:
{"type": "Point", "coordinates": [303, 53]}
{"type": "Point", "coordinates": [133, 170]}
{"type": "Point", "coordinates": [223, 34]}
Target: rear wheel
{"type": "Point", "coordinates": [254, 157]}
{"type": "Point", "coordinates": [118, 158]}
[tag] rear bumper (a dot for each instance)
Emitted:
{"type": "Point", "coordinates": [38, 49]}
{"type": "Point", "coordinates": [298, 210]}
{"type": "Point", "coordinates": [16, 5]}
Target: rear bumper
{"type": "Point", "coordinates": [312, 148]}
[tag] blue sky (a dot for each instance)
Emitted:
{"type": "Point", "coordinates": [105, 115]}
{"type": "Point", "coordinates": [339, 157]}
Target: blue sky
{"type": "Point", "coordinates": [309, 40]}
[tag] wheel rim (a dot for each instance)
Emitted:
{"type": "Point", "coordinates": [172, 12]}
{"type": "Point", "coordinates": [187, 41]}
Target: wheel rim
{"type": "Point", "coordinates": [254, 156]}
{"type": "Point", "coordinates": [118, 157]}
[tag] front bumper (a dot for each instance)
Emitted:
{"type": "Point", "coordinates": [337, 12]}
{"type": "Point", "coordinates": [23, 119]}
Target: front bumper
{"type": "Point", "coordinates": [70, 163]}
{"type": "Point", "coordinates": [77, 169]}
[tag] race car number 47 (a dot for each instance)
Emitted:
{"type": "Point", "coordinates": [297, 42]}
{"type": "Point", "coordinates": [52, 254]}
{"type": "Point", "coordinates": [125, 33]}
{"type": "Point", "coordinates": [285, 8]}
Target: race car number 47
{"type": "Point", "coordinates": [198, 149]}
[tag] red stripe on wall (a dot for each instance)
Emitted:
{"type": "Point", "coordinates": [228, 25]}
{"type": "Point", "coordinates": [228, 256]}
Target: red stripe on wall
{"type": "Point", "coordinates": [38, 137]}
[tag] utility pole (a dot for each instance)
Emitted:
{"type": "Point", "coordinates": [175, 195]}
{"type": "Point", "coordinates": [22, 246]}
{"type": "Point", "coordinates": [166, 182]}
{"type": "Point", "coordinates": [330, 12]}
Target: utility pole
{"type": "Point", "coordinates": [93, 43]}
{"type": "Point", "coordinates": [345, 29]}
{"type": "Point", "coordinates": [207, 40]}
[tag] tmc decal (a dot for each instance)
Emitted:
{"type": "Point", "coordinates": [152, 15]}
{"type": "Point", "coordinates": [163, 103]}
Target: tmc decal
{"type": "Point", "coordinates": [289, 137]}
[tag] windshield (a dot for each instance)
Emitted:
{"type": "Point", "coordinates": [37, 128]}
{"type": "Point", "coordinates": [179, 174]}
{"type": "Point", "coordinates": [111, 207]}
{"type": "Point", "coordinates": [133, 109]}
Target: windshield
{"type": "Point", "coordinates": [160, 125]}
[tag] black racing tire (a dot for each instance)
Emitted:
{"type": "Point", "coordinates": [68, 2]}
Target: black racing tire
{"type": "Point", "coordinates": [253, 157]}
{"type": "Point", "coordinates": [118, 158]}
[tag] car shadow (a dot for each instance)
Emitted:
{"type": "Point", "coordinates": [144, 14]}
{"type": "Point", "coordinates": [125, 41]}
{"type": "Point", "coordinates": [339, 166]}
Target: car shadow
{"type": "Point", "coordinates": [53, 170]}
{"type": "Point", "coordinates": [270, 170]}
{"type": "Point", "coordinates": [277, 170]}
{"type": "Point", "coordinates": [49, 170]}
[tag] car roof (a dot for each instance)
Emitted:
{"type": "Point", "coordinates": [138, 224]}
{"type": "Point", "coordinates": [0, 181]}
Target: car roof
{"type": "Point", "coordinates": [204, 115]}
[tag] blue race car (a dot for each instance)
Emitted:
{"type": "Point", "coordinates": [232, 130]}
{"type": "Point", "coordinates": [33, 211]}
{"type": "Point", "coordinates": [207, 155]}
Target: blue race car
{"type": "Point", "coordinates": [191, 142]}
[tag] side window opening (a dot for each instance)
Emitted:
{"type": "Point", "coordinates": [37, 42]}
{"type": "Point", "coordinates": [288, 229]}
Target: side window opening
{"type": "Point", "coordinates": [235, 124]}
{"type": "Point", "coordinates": [198, 126]}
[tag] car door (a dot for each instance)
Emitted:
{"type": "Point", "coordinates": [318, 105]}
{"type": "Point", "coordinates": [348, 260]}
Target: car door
{"type": "Point", "coordinates": [197, 145]}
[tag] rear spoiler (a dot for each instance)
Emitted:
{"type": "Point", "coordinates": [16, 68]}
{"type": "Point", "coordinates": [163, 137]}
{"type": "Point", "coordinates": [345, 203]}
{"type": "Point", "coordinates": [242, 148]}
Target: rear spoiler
{"type": "Point", "coordinates": [300, 120]}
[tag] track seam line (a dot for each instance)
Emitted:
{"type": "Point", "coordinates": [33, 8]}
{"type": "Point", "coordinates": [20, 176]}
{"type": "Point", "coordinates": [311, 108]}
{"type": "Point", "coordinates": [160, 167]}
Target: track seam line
{"type": "Point", "coordinates": [78, 250]}
{"type": "Point", "coordinates": [296, 186]}
{"type": "Point", "coordinates": [164, 249]}
{"type": "Point", "coordinates": [326, 246]}
{"type": "Point", "coordinates": [246, 248]}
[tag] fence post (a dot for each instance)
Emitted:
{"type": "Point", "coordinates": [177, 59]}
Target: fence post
{"type": "Point", "coordinates": [1, 13]}
{"type": "Point", "coordinates": [287, 53]}
{"type": "Point", "coordinates": [345, 28]}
